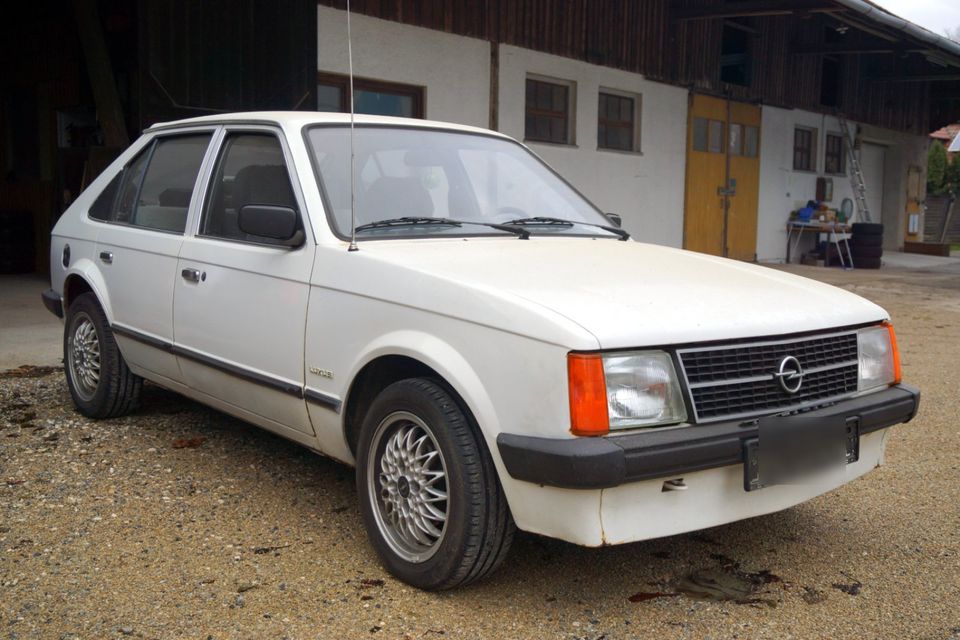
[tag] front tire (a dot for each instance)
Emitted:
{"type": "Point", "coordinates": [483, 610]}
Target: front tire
{"type": "Point", "coordinates": [100, 383]}
{"type": "Point", "coordinates": [429, 495]}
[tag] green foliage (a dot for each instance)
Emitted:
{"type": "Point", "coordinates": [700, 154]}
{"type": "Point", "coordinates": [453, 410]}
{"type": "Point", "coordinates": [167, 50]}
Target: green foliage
{"type": "Point", "coordinates": [951, 177]}
{"type": "Point", "coordinates": [936, 168]}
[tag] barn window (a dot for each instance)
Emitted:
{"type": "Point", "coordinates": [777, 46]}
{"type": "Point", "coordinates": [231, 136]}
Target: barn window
{"type": "Point", "coordinates": [736, 53]}
{"type": "Point", "coordinates": [708, 135]}
{"type": "Point", "coordinates": [804, 149]}
{"type": "Point", "coordinates": [830, 82]}
{"type": "Point", "coordinates": [548, 111]}
{"type": "Point", "coordinates": [617, 122]}
{"type": "Point", "coordinates": [751, 141]}
{"type": "Point", "coordinates": [370, 96]}
{"type": "Point", "coordinates": [833, 155]}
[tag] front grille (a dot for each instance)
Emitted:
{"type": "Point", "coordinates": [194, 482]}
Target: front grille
{"type": "Point", "coordinates": [733, 381]}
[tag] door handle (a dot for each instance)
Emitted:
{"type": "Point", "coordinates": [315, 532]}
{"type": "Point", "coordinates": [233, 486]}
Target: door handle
{"type": "Point", "coordinates": [106, 257]}
{"type": "Point", "coordinates": [191, 275]}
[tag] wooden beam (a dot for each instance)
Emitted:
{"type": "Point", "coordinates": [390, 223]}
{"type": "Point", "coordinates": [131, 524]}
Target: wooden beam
{"type": "Point", "coordinates": [848, 49]}
{"type": "Point", "coordinates": [733, 24]}
{"type": "Point", "coordinates": [749, 8]}
{"type": "Point", "coordinates": [494, 121]}
{"type": "Point", "coordinates": [931, 77]}
{"type": "Point", "coordinates": [102, 82]}
{"type": "Point", "coordinates": [860, 26]}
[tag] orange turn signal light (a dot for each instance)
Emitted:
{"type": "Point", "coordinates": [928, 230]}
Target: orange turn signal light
{"type": "Point", "coordinates": [588, 395]}
{"type": "Point", "coordinates": [897, 370]}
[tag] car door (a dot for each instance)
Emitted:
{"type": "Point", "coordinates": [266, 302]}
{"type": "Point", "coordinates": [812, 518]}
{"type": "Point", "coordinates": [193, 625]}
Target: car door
{"type": "Point", "coordinates": [240, 300]}
{"type": "Point", "coordinates": [144, 211]}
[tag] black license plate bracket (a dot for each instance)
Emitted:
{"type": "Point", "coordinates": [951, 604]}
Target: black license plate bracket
{"type": "Point", "coordinates": [789, 449]}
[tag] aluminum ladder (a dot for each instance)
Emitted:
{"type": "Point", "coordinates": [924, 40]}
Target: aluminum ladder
{"type": "Point", "coordinates": [856, 172]}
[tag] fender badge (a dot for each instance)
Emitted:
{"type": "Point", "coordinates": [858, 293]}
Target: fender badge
{"type": "Point", "coordinates": [323, 373]}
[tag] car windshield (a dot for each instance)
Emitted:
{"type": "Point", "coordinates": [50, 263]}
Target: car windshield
{"type": "Point", "coordinates": [408, 175]}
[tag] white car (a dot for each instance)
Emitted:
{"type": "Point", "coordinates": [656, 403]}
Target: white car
{"type": "Point", "coordinates": [493, 352]}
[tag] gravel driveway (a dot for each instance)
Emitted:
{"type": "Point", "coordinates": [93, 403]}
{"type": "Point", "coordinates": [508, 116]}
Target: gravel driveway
{"type": "Point", "coordinates": [182, 522]}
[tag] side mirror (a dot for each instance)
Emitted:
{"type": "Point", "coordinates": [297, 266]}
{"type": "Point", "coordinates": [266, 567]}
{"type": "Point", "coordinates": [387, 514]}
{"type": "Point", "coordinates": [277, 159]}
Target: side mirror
{"type": "Point", "coordinates": [614, 219]}
{"type": "Point", "coordinates": [268, 221]}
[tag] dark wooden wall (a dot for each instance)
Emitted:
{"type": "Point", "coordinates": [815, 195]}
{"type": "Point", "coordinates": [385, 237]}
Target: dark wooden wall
{"type": "Point", "coordinates": [217, 56]}
{"type": "Point", "coordinates": [639, 36]}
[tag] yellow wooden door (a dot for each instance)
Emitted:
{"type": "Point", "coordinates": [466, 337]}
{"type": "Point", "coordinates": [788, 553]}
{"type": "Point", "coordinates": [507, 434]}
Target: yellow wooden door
{"type": "Point", "coordinates": [722, 178]}
{"type": "Point", "coordinates": [744, 149]}
{"type": "Point", "coordinates": [706, 167]}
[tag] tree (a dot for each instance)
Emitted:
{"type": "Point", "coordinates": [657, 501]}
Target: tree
{"type": "Point", "coordinates": [951, 177]}
{"type": "Point", "coordinates": [953, 34]}
{"type": "Point", "coordinates": [936, 168]}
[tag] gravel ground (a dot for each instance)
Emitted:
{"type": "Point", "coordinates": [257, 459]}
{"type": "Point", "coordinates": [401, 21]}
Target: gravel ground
{"type": "Point", "coordinates": [179, 521]}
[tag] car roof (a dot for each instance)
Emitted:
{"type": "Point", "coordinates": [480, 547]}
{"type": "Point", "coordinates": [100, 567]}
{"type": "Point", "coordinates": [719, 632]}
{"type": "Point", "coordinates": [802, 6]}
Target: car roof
{"type": "Point", "coordinates": [299, 119]}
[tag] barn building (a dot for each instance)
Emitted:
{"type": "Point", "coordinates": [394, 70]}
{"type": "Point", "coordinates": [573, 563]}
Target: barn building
{"type": "Point", "coordinates": [703, 123]}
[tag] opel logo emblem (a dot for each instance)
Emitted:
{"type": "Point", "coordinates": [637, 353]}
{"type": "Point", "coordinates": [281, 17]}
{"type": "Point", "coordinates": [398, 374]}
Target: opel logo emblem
{"type": "Point", "coordinates": [790, 375]}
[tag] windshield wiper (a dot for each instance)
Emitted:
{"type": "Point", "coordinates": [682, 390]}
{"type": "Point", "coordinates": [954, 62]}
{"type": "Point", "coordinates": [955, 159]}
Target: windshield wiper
{"type": "Point", "coordinates": [548, 221]}
{"type": "Point", "coordinates": [407, 221]}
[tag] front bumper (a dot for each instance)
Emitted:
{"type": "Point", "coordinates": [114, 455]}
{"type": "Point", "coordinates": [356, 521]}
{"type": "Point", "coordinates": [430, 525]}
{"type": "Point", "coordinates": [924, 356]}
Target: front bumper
{"type": "Point", "coordinates": [600, 463]}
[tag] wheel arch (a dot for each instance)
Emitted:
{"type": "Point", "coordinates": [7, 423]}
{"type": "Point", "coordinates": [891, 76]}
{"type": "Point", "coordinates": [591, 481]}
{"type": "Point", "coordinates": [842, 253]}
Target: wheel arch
{"type": "Point", "coordinates": [83, 278]}
{"type": "Point", "coordinates": [393, 359]}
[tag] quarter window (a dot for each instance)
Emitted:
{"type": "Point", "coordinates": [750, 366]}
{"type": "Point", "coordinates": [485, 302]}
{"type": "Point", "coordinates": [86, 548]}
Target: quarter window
{"type": "Point", "coordinates": [804, 149]}
{"type": "Point", "coordinates": [156, 187]}
{"type": "Point", "coordinates": [833, 155]}
{"type": "Point", "coordinates": [251, 170]}
{"type": "Point", "coordinates": [102, 207]}
{"type": "Point", "coordinates": [132, 178]}
{"type": "Point", "coordinates": [548, 112]}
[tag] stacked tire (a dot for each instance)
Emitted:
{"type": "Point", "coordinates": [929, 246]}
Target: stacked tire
{"type": "Point", "coordinates": [867, 245]}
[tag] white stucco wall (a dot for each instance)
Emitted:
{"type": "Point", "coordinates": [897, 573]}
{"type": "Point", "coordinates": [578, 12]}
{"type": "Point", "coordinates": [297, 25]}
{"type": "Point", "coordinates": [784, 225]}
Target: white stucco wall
{"type": "Point", "coordinates": [645, 188]}
{"type": "Point", "coordinates": [454, 70]}
{"type": "Point", "coordinates": [783, 190]}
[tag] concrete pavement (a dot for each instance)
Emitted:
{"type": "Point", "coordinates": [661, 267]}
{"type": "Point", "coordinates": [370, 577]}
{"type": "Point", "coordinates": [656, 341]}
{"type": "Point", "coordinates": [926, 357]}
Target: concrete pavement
{"type": "Point", "coordinates": [29, 334]}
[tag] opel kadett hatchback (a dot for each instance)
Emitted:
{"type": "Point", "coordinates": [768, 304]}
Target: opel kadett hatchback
{"type": "Point", "coordinates": [491, 352]}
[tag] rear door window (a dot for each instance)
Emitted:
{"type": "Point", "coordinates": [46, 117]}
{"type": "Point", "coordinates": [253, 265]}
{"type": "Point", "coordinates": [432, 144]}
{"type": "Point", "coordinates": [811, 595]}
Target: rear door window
{"type": "Point", "coordinates": [168, 184]}
{"type": "Point", "coordinates": [155, 189]}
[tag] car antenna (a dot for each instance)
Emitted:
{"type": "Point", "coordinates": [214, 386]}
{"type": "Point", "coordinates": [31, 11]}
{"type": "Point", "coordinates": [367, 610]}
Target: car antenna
{"type": "Point", "coordinates": [353, 169]}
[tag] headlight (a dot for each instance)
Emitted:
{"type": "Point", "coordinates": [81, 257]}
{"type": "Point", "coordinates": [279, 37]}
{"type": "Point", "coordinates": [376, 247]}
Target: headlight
{"type": "Point", "coordinates": [879, 364]}
{"type": "Point", "coordinates": [622, 391]}
{"type": "Point", "coordinates": [642, 390]}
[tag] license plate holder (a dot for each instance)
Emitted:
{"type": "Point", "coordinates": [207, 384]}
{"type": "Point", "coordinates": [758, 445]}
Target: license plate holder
{"type": "Point", "coordinates": [811, 445]}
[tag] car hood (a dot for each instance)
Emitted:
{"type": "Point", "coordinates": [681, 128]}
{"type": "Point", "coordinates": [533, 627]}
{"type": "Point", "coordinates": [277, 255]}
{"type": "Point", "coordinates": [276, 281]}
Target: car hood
{"type": "Point", "coordinates": [628, 294]}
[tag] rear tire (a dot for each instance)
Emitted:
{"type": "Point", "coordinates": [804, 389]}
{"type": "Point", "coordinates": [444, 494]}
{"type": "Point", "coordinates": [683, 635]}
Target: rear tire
{"type": "Point", "coordinates": [429, 494]}
{"type": "Point", "coordinates": [100, 383]}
